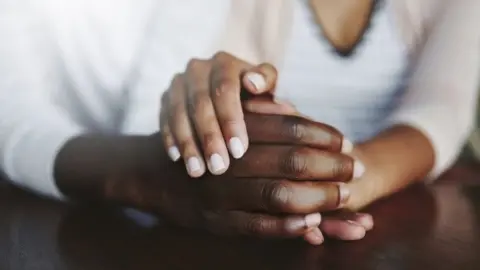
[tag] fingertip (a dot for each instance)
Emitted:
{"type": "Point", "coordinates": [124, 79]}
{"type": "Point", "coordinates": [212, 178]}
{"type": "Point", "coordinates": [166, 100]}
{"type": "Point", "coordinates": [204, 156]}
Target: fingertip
{"type": "Point", "coordinates": [313, 220]}
{"type": "Point", "coordinates": [347, 146]}
{"type": "Point", "coordinates": [357, 231]}
{"type": "Point", "coordinates": [366, 220]}
{"type": "Point", "coordinates": [174, 153]}
{"type": "Point", "coordinates": [346, 230]}
{"type": "Point", "coordinates": [256, 82]}
{"type": "Point", "coordinates": [236, 147]}
{"type": "Point", "coordinates": [194, 167]}
{"type": "Point", "coordinates": [217, 165]}
{"type": "Point", "coordinates": [314, 237]}
{"type": "Point", "coordinates": [298, 224]}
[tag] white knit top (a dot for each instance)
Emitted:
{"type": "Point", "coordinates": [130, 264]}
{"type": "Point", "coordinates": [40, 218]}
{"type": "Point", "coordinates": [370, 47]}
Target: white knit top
{"type": "Point", "coordinates": [79, 66]}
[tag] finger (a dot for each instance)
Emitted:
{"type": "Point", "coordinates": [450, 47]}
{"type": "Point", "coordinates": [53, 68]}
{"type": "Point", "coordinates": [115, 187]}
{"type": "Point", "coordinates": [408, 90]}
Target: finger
{"type": "Point", "coordinates": [260, 79]}
{"type": "Point", "coordinates": [181, 129]}
{"type": "Point", "coordinates": [343, 229]}
{"type": "Point", "coordinates": [297, 163]}
{"type": "Point", "coordinates": [266, 105]}
{"type": "Point", "coordinates": [260, 225]}
{"type": "Point", "coordinates": [167, 136]}
{"type": "Point", "coordinates": [225, 93]}
{"type": "Point", "coordinates": [287, 129]}
{"type": "Point", "coordinates": [314, 237]}
{"type": "Point", "coordinates": [275, 196]}
{"type": "Point", "coordinates": [202, 113]}
{"type": "Point", "coordinates": [366, 220]}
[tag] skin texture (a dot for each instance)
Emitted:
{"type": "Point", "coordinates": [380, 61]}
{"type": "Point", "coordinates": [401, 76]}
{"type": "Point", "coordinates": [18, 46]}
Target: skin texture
{"type": "Point", "coordinates": [259, 196]}
{"type": "Point", "coordinates": [395, 158]}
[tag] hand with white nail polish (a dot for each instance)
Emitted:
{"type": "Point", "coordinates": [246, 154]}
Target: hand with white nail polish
{"type": "Point", "coordinates": [201, 116]}
{"type": "Point", "coordinates": [202, 121]}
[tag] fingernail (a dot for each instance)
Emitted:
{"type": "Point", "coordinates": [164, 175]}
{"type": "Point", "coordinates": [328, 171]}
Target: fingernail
{"type": "Point", "coordinates": [344, 194]}
{"type": "Point", "coordinates": [257, 80]}
{"type": "Point", "coordinates": [173, 153]}
{"type": "Point", "coordinates": [236, 147]}
{"type": "Point", "coordinates": [294, 224]}
{"type": "Point", "coordinates": [313, 220]}
{"type": "Point", "coordinates": [193, 165]}
{"type": "Point", "coordinates": [358, 169]}
{"type": "Point", "coordinates": [216, 163]}
{"type": "Point", "coordinates": [347, 146]}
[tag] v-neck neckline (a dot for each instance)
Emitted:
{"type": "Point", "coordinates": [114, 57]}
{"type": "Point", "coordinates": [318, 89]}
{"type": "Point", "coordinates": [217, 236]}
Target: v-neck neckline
{"type": "Point", "coordinates": [349, 51]}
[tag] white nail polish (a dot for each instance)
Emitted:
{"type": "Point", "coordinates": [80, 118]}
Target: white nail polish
{"type": "Point", "coordinates": [193, 165]}
{"type": "Point", "coordinates": [313, 220]}
{"type": "Point", "coordinates": [236, 147]}
{"type": "Point", "coordinates": [257, 80]}
{"type": "Point", "coordinates": [173, 153]}
{"type": "Point", "coordinates": [295, 224]}
{"type": "Point", "coordinates": [347, 146]}
{"type": "Point", "coordinates": [216, 163]}
{"type": "Point", "coordinates": [358, 169]}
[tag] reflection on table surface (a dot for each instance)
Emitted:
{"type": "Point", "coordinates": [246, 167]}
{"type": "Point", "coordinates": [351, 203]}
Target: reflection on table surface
{"type": "Point", "coordinates": [434, 227]}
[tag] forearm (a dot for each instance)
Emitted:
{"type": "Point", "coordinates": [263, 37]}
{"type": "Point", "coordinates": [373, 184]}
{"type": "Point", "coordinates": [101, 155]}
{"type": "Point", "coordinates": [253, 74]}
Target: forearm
{"type": "Point", "coordinates": [394, 159]}
{"type": "Point", "coordinates": [108, 168]}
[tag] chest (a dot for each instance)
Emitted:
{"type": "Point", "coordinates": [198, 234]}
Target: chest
{"type": "Point", "coordinates": [343, 91]}
{"type": "Point", "coordinates": [313, 72]}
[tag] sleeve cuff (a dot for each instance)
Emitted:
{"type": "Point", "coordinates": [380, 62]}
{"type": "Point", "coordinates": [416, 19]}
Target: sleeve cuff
{"type": "Point", "coordinates": [447, 141]}
{"type": "Point", "coordinates": [30, 158]}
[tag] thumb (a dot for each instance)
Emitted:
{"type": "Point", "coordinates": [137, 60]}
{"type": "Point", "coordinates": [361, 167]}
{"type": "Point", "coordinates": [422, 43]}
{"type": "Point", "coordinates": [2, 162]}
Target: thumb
{"type": "Point", "coordinates": [260, 79]}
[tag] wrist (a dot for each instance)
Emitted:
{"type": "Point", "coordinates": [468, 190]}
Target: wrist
{"type": "Point", "coordinates": [104, 168]}
{"type": "Point", "coordinates": [393, 160]}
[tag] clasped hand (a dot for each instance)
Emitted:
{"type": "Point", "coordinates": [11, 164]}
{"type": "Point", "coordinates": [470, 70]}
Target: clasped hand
{"type": "Point", "coordinates": [294, 168]}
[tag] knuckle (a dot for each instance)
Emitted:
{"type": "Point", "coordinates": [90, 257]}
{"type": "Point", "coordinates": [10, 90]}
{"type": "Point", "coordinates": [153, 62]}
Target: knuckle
{"type": "Point", "coordinates": [294, 128]}
{"type": "Point", "coordinates": [224, 85]}
{"type": "Point", "coordinates": [177, 108]}
{"type": "Point", "coordinates": [277, 195]}
{"type": "Point", "coordinates": [221, 55]}
{"type": "Point", "coordinates": [295, 163]}
{"type": "Point", "coordinates": [257, 226]}
{"type": "Point", "coordinates": [341, 167]}
{"type": "Point", "coordinates": [176, 81]}
{"type": "Point", "coordinates": [200, 103]}
{"type": "Point", "coordinates": [297, 131]}
{"type": "Point", "coordinates": [194, 64]}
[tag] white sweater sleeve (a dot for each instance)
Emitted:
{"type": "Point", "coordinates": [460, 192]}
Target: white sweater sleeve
{"type": "Point", "coordinates": [156, 66]}
{"type": "Point", "coordinates": [32, 127]}
{"type": "Point", "coordinates": [441, 96]}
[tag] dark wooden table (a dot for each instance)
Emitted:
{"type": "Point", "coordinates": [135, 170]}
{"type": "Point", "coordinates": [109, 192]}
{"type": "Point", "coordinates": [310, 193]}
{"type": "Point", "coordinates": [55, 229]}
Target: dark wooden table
{"type": "Point", "coordinates": [421, 228]}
